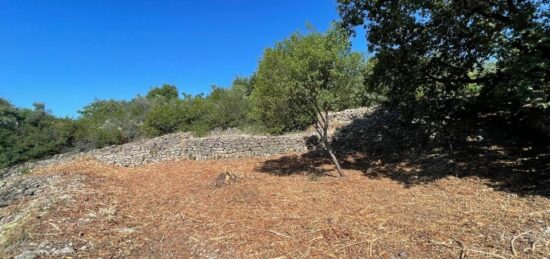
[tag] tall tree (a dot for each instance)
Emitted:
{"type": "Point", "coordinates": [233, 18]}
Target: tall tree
{"type": "Point", "coordinates": [433, 56]}
{"type": "Point", "coordinates": [304, 77]}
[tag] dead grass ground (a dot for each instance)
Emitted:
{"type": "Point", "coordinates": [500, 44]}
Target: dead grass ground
{"type": "Point", "coordinates": [173, 209]}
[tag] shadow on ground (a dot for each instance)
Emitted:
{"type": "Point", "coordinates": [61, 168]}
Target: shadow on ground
{"type": "Point", "coordinates": [379, 145]}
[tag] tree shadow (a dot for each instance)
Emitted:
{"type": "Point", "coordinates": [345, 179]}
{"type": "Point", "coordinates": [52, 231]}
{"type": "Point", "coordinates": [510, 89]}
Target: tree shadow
{"type": "Point", "coordinates": [308, 163]}
{"type": "Point", "coordinates": [380, 145]}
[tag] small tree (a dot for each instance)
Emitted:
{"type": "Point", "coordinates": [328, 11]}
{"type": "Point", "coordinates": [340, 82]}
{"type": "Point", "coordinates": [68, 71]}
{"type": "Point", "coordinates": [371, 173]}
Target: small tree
{"type": "Point", "coordinates": [306, 76]}
{"type": "Point", "coordinates": [108, 122]}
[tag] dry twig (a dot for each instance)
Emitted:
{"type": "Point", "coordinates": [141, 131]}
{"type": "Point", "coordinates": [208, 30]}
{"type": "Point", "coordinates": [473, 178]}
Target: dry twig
{"type": "Point", "coordinates": [280, 234]}
{"type": "Point", "coordinates": [462, 249]}
{"type": "Point", "coordinates": [514, 239]}
{"type": "Point", "coordinates": [317, 238]}
{"type": "Point", "coordinates": [486, 253]}
{"type": "Point", "coordinates": [352, 244]}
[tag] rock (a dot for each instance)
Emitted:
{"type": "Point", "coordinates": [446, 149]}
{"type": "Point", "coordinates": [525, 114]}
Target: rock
{"type": "Point", "coordinates": [45, 245]}
{"type": "Point", "coordinates": [15, 190]}
{"type": "Point", "coordinates": [27, 254]}
{"type": "Point", "coordinates": [66, 250]}
{"type": "Point", "coordinates": [63, 251]}
{"type": "Point", "coordinates": [225, 179]}
{"type": "Point", "coordinates": [83, 221]}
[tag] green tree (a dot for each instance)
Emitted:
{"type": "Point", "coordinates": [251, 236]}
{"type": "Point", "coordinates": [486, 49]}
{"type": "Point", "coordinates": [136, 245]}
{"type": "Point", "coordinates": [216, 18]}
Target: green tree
{"type": "Point", "coordinates": [244, 85]}
{"type": "Point", "coordinates": [110, 122]}
{"type": "Point", "coordinates": [432, 56]}
{"type": "Point", "coordinates": [28, 134]}
{"type": "Point", "coordinates": [228, 107]}
{"type": "Point", "coordinates": [166, 91]}
{"type": "Point", "coordinates": [9, 121]}
{"type": "Point", "coordinates": [165, 118]}
{"type": "Point", "coordinates": [304, 77]}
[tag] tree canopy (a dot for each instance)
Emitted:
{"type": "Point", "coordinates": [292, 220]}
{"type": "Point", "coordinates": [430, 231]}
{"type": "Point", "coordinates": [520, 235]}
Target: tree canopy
{"type": "Point", "coordinates": [27, 134]}
{"type": "Point", "coordinates": [440, 59]}
{"type": "Point", "coordinates": [304, 77]}
{"type": "Point", "coordinates": [166, 91]}
{"type": "Point", "coordinates": [305, 72]}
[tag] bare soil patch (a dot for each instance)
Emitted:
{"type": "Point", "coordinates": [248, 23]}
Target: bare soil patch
{"type": "Point", "coordinates": [173, 209]}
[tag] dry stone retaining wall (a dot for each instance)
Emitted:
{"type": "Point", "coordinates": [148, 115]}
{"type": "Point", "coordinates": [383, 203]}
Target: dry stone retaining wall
{"type": "Point", "coordinates": [349, 115]}
{"type": "Point", "coordinates": [179, 146]}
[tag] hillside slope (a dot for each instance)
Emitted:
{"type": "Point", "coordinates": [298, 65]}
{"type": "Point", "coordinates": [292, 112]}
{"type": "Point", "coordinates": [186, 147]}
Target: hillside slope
{"type": "Point", "coordinates": [487, 199]}
{"type": "Point", "coordinates": [183, 146]}
{"type": "Point", "coordinates": [174, 209]}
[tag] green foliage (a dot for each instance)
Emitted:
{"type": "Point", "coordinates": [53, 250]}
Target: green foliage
{"type": "Point", "coordinates": [110, 122]}
{"type": "Point", "coordinates": [27, 134]}
{"type": "Point", "coordinates": [168, 112]}
{"type": "Point", "coordinates": [198, 108]}
{"type": "Point", "coordinates": [304, 72]}
{"type": "Point", "coordinates": [166, 91]}
{"type": "Point", "coordinates": [520, 77]}
{"type": "Point", "coordinates": [373, 95]}
{"type": "Point", "coordinates": [432, 56]}
{"type": "Point", "coordinates": [223, 108]}
{"type": "Point", "coordinates": [228, 107]}
{"type": "Point", "coordinates": [164, 118]}
{"type": "Point", "coordinates": [244, 85]}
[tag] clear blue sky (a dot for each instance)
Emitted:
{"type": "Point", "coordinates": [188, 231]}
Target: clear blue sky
{"type": "Point", "coordinates": [65, 53]}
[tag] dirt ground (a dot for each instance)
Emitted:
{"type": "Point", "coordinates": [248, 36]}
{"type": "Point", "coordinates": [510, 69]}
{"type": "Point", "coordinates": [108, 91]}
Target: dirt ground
{"type": "Point", "coordinates": [175, 209]}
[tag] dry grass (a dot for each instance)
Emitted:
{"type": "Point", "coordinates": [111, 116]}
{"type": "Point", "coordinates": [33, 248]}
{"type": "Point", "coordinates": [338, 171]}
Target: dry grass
{"type": "Point", "coordinates": [18, 219]}
{"type": "Point", "coordinates": [172, 209]}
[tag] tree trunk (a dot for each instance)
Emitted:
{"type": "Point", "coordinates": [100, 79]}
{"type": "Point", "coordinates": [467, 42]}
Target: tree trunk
{"type": "Point", "coordinates": [334, 159]}
{"type": "Point", "coordinates": [322, 125]}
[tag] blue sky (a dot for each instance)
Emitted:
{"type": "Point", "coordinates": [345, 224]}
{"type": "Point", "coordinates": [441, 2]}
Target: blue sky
{"type": "Point", "coordinates": [66, 53]}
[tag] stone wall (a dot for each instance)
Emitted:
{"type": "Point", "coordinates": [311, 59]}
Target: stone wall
{"type": "Point", "coordinates": [178, 146]}
{"type": "Point", "coordinates": [349, 115]}
{"type": "Point", "coordinates": [182, 146]}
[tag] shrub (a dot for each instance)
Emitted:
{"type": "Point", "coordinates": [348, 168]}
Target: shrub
{"type": "Point", "coordinates": [28, 134]}
{"type": "Point", "coordinates": [110, 122]}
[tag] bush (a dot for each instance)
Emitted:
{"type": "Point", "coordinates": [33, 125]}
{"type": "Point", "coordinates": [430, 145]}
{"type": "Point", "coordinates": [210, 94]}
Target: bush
{"type": "Point", "coordinates": [166, 92]}
{"type": "Point", "coordinates": [27, 134]}
{"type": "Point", "coordinates": [227, 107]}
{"type": "Point", "coordinates": [165, 118]}
{"type": "Point", "coordinates": [110, 122]}
{"type": "Point", "coordinates": [223, 108]}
